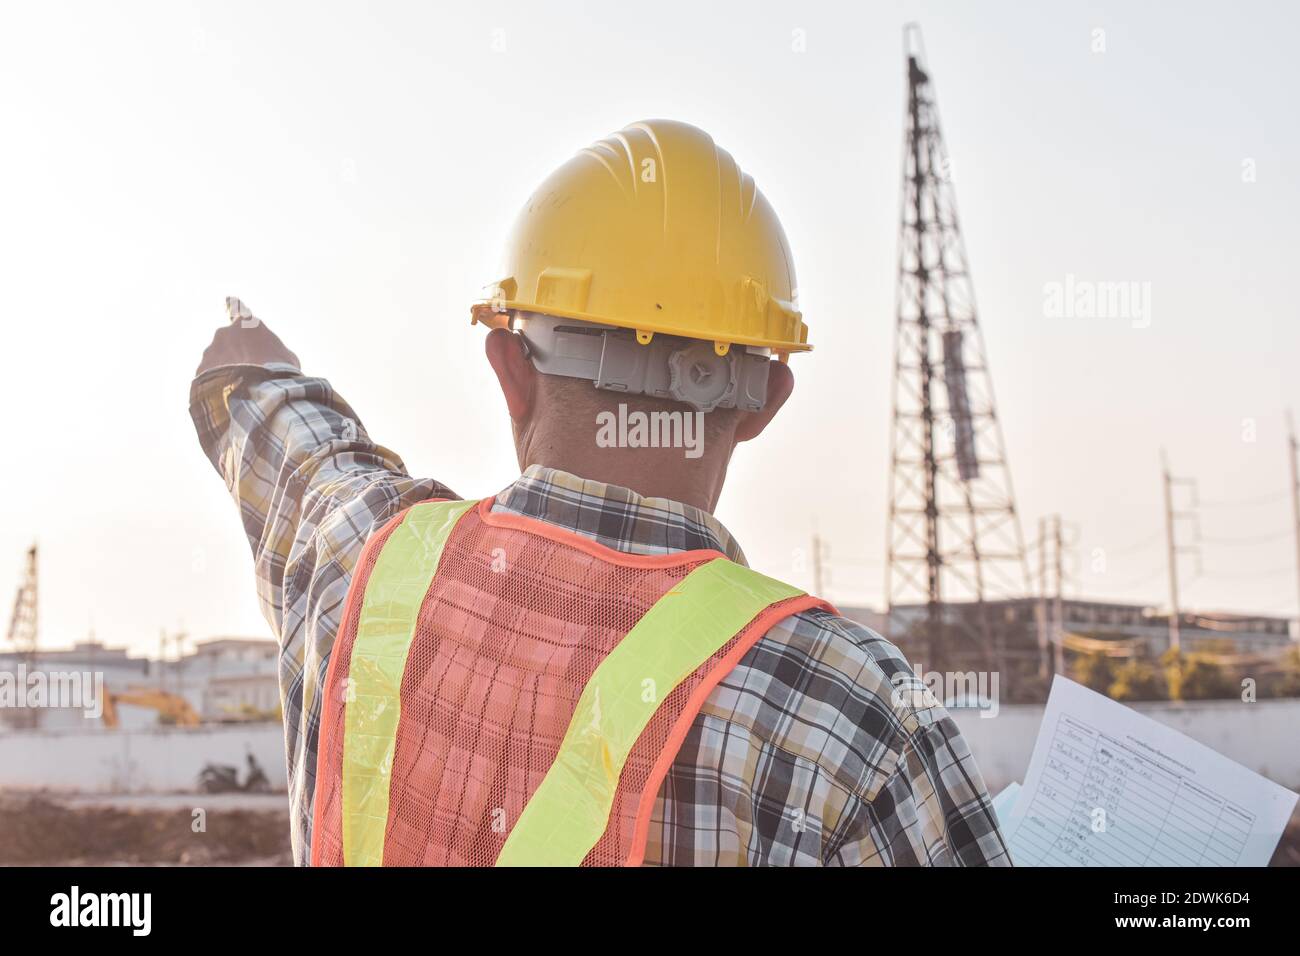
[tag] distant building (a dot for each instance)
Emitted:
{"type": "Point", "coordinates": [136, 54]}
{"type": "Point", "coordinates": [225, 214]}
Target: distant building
{"type": "Point", "coordinates": [1013, 626]}
{"type": "Point", "coordinates": [222, 680]}
{"type": "Point", "coordinates": [228, 679]}
{"type": "Point", "coordinates": [115, 668]}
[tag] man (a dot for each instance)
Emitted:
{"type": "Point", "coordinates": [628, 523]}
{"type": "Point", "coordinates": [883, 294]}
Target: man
{"type": "Point", "coordinates": [447, 707]}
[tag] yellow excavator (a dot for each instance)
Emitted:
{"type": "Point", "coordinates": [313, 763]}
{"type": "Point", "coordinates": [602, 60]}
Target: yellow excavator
{"type": "Point", "coordinates": [172, 708]}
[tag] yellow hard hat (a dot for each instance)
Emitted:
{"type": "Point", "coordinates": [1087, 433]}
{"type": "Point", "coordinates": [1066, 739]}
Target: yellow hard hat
{"type": "Point", "coordinates": [656, 229]}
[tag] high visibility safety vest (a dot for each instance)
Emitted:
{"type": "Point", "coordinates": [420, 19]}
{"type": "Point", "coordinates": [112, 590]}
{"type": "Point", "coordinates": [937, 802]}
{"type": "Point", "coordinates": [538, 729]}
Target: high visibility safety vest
{"type": "Point", "coordinates": [506, 692]}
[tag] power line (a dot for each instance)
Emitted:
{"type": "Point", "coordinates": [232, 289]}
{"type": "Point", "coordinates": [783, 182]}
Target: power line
{"type": "Point", "coordinates": [1147, 542]}
{"type": "Point", "coordinates": [1267, 499]}
{"type": "Point", "coordinates": [1247, 575]}
{"type": "Point", "coordinates": [1138, 582]}
{"type": "Point", "coordinates": [1257, 539]}
{"type": "Point", "coordinates": [867, 562]}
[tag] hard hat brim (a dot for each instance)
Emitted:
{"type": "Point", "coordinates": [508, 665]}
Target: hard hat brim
{"type": "Point", "coordinates": [496, 314]}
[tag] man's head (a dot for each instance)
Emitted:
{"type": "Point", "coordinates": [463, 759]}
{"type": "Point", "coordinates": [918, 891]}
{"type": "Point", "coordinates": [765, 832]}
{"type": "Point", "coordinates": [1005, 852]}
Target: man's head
{"type": "Point", "coordinates": [656, 446]}
{"type": "Point", "coordinates": [648, 287]}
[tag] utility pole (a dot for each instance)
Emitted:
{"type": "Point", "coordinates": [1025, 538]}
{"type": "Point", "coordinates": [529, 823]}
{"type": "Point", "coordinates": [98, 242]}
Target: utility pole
{"type": "Point", "coordinates": [1175, 643]}
{"type": "Point", "coordinates": [176, 640]}
{"type": "Point", "coordinates": [1044, 654]}
{"type": "Point", "coordinates": [1058, 613]}
{"type": "Point", "coordinates": [817, 564]}
{"type": "Point", "coordinates": [1295, 503]}
{"type": "Point", "coordinates": [1051, 629]}
{"type": "Point", "coordinates": [1172, 517]}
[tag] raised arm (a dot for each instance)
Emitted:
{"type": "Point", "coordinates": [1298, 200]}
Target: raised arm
{"type": "Point", "coordinates": [244, 340]}
{"type": "Point", "coordinates": [309, 486]}
{"type": "Point", "coordinates": [307, 480]}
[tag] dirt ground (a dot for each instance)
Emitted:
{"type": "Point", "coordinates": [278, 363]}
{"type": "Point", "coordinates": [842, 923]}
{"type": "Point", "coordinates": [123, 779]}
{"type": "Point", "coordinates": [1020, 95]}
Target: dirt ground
{"type": "Point", "coordinates": [47, 831]}
{"type": "Point", "coordinates": [160, 831]}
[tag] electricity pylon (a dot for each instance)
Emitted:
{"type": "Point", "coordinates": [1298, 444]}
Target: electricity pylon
{"type": "Point", "coordinates": [954, 535]}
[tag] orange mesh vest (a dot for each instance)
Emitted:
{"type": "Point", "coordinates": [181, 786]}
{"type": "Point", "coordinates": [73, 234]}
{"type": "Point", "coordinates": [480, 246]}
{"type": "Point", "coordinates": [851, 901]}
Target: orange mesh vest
{"type": "Point", "coordinates": [506, 692]}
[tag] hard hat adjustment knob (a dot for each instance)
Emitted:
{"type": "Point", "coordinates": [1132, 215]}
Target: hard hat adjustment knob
{"type": "Point", "coordinates": [701, 377]}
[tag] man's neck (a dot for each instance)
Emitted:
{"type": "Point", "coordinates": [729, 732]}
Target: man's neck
{"type": "Point", "coordinates": [615, 515]}
{"type": "Point", "coordinates": [650, 472]}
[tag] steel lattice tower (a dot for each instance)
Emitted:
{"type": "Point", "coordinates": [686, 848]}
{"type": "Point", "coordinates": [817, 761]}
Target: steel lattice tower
{"type": "Point", "coordinates": [23, 630]}
{"type": "Point", "coordinates": [23, 620]}
{"type": "Point", "coordinates": [954, 535]}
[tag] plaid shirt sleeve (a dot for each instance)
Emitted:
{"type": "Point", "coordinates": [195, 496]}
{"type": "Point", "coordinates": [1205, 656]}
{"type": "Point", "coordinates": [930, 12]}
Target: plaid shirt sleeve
{"type": "Point", "coordinates": [824, 748]}
{"type": "Point", "coordinates": [930, 810]}
{"type": "Point", "coordinates": [310, 486]}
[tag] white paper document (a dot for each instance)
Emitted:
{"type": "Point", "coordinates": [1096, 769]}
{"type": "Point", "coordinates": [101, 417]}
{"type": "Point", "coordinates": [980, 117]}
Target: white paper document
{"type": "Point", "coordinates": [1004, 802]}
{"type": "Point", "coordinates": [1108, 786]}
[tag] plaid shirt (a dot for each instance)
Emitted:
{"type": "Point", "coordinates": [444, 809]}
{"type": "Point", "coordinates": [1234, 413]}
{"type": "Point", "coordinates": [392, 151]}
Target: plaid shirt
{"type": "Point", "coordinates": [819, 748]}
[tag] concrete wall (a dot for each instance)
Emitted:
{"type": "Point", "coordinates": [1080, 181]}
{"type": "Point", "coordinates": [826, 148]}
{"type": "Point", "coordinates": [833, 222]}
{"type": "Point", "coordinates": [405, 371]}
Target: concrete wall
{"type": "Point", "coordinates": [157, 760]}
{"type": "Point", "coordinates": [1264, 736]}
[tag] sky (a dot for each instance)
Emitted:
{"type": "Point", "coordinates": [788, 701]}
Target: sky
{"type": "Point", "coordinates": [350, 170]}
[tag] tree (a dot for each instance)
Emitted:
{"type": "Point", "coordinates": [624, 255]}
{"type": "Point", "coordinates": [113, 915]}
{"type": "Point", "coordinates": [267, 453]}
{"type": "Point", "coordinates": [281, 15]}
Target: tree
{"type": "Point", "coordinates": [1196, 677]}
{"type": "Point", "coordinates": [1138, 680]}
{"type": "Point", "coordinates": [1288, 684]}
{"type": "Point", "coordinates": [1095, 670]}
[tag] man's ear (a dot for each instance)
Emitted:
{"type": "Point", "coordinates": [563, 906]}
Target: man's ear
{"type": "Point", "coordinates": [518, 378]}
{"type": "Point", "coordinates": [780, 383]}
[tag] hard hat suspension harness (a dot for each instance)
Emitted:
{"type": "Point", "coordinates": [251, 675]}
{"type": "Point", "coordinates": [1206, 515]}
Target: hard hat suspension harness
{"type": "Point", "coordinates": [668, 366]}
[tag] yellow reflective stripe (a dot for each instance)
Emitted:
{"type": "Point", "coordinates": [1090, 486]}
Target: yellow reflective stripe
{"type": "Point", "coordinates": [570, 809]}
{"type": "Point", "coordinates": [389, 610]}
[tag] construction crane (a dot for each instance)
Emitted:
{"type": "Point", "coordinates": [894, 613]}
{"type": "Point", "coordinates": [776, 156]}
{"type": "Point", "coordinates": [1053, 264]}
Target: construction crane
{"type": "Point", "coordinates": [23, 629]}
{"type": "Point", "coordinates": [23, 621]}
{"type": "Point", "coordinates": [172, 708]}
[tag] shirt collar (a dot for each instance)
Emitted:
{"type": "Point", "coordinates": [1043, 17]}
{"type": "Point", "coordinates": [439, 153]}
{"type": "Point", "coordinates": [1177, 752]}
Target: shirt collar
{"type": "Point", "coordinates": [614, 516]}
